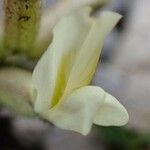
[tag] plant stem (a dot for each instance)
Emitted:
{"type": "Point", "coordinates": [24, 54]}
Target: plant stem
{"type": "Point", "coordinates": [21, 24]}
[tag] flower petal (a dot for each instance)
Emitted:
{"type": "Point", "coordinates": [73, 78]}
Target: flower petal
{"type": "Point", "coordinates": [77, 111]}
{"type": "Point", "coordinates": [111, 113]}
{"type": "Point", "coordinates": [70, 61]}
{"type": "Point", "coordinates": [88, 56]}
{"type": "Point", "coordinates": [53, 68]}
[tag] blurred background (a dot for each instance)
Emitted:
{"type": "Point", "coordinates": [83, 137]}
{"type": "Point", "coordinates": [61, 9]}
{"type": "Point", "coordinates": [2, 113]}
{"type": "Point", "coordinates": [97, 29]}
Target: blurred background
{"type": "Point", "coordinates": [123, 71]}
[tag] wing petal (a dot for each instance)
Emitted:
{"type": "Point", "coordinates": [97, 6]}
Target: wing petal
{"type": "Point", "coordinates": [111, 113]}
{"type": "Point", "coordinates": [77, 110]}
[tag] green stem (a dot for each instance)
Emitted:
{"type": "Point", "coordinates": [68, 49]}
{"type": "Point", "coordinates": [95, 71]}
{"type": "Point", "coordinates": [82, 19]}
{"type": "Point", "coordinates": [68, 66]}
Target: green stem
{"type": "Point", "coordinates": [2, 51]}
{"type": "Point", "coordinates": [21, 24]}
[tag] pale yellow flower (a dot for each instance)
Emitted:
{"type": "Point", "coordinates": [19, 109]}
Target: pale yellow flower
{"type": "Point", "coordinates": [61, 77]}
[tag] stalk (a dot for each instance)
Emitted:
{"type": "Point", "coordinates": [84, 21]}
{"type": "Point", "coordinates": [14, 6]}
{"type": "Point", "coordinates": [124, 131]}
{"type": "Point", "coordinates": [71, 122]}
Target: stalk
{"type": "Point", "coordinates": [21, 24]}
{"type": "Point", "coordinates": [2, 52]}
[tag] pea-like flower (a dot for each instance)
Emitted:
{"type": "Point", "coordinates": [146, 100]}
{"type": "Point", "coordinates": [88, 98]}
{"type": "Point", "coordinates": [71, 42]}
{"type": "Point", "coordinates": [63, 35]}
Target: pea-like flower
{"type": "Point", "coordinates": [62, 76]}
